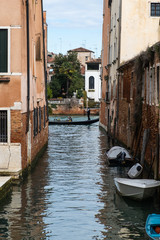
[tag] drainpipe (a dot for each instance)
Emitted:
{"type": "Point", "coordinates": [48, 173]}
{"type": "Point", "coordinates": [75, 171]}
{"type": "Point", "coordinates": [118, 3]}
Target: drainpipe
{"type": "Point", "coordinates": [45, 72]}
{"type": "Point", "coordinates": [28, 65]}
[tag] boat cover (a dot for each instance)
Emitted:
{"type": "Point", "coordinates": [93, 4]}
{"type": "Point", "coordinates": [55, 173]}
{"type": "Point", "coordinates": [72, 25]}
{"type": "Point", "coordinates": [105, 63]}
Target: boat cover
{"type": "Point", "coordinates": [153, 222]}
{"type": "Point", "coordinates": [114, 151]}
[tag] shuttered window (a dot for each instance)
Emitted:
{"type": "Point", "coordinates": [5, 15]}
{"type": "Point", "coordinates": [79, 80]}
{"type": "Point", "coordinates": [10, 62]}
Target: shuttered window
{"type": "Point", "coordinates": [3, 50]}
{"type": "Point", "coordinates": [35, 121]}
{"type": "Point", "coordinates": [38, 48]}
{"type": "Point", "coordinates": [3, 126]}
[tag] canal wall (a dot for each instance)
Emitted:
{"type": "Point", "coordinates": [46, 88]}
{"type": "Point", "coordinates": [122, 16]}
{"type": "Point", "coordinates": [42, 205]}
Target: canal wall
{"type": "Point", "coordinates": [70, 107]}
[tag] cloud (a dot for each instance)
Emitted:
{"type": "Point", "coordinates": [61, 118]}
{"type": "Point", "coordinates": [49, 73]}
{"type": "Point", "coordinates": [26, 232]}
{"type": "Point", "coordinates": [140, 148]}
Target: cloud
{"type": "Point", "coordinates": [74, 14]}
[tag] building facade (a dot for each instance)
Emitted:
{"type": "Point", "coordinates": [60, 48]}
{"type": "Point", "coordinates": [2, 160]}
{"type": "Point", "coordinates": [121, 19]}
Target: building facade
{"type": "Point", "coordinates": [130, 112]}
{"type": "Point", "coordinates": [23, 99]}
{"type": "Point", "coordinates": [83, 54]}
{"type": "Point", "coordinates": [93, 79]}
{"type": "Point", "coordinates": [133, 26]}
{"type": "Point", "coordinates": [104, 108]}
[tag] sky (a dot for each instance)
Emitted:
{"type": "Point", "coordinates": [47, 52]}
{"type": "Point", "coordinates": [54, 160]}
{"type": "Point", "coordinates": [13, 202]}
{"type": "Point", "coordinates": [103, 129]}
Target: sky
{"type": "Point", "coordinates": [73, 24]}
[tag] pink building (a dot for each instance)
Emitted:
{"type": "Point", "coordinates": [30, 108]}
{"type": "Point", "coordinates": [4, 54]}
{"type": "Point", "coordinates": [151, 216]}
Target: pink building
{"type": "Point", "coordinates": [23, 100]}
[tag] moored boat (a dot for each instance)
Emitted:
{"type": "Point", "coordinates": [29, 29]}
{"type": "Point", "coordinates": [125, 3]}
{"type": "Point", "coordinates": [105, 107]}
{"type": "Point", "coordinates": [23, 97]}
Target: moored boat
{"type": "Point", "coordinates": [119, 156]}
{"type": "Point", "coordinates": [153, 226]}
{"type": "Point", "coordinates": [137, 189]}
{"type": "Point", "coordinates": [67, 122]}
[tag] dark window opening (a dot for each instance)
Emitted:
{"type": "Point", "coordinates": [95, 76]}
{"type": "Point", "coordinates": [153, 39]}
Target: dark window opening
{"type": "Point", "coordinates": [3, 126]}
{"type": "Point", "coordinates": [155, 9]}
{"type": "Point", "coordinates": [91, 82]}
{"type": "Point", "coordinates": [3, 50]}
{"type": "Point", "coordinates": [39, 119]}
{"type": "Point", "coordinates": [35, 121]}
{"type": "Point", "coordinates": [44, 117]}
{"type": "Point", "coordinates": [93, 66]}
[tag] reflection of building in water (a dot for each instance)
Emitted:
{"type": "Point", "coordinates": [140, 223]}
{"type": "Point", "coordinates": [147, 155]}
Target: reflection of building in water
{"type": "Point", "coordinates": [23, 215]}
{"type": "Point", "coordinates": [122, 218]}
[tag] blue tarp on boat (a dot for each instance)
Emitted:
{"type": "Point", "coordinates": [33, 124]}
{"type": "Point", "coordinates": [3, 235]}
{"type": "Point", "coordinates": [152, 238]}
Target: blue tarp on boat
{"type": "Point", "coordinates": [153, 226]}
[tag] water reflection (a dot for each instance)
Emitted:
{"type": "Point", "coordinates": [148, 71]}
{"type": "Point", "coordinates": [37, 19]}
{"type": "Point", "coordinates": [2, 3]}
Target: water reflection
{"type": "Point", "coordinates": [71, 195]}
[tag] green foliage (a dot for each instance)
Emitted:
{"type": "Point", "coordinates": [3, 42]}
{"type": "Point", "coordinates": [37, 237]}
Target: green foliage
{"type": "Point", "coordinates": [79, 93]}
{"type": "Point", "coordinates": [55, 86]}
{"type": "Point", "coordinates": [85, 98]}
{"type": "Point", "coordinates": [49, 92]}
{"type": "Point", "coordinates": [93, 104]}
{"type": "Point", "coordinates": [49, 110]}
{"type": "Point", "coordinates": [67, 78]}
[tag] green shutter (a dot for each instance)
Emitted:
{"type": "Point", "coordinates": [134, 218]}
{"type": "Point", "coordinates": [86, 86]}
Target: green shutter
{"type": "Point", "coordinates": [3, 50]}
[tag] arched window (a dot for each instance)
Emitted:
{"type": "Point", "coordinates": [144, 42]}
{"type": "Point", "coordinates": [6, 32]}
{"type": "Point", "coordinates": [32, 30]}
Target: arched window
{"type": "Point", "coordinates": [91, 82]}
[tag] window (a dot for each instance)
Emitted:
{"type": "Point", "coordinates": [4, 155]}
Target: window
{"type": "Point", "coordinates": [86, 58]}
{"type": "Point", "coordinates": [35, 121]}
{"type": "Point", "coordinates": [3, 50]}
{"type": "Point", "coordinates": [3, 126]}
{"type": "Point", "coordinates": [40, 119]}
{"type": "Point", "coordinates": [38, 48]}
{"type": "Point", "coordinates": [93, 66]}
{"type": "Point", "coordinates": [44, 117]}
{"type": "Point", "coordinates": [155, 9]}
{"type": "Point", "coordinates": [91, 82]}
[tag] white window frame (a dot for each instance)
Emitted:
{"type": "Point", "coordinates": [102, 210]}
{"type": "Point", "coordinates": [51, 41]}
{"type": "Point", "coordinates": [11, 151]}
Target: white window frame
{"type": "Point", "coordinates": [9, 50]}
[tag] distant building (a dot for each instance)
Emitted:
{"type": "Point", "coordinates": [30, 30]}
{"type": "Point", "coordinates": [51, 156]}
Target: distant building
{"type": "Point", "coordinates": [23, 96]}
{"type": "Point", "coordinates": [93, 80]}
{"type": "Point", "coordinates": [50, 65]}
{"type": "Point", "coordinates": [83, 54]}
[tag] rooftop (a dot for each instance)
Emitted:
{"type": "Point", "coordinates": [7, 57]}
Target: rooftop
{"type": "Point", "coordinates": [80, 49]}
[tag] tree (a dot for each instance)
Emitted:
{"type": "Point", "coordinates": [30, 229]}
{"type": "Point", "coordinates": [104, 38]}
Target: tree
{"type": "Point", "coordinates": [49, 92]}
{"type": "Point", "coordinates": [67, 76]}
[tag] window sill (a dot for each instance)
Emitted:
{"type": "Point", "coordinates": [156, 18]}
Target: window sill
{"type": "Point", "coordinates": [91, 90]}
{"type": "Point", "coordinates": [10, 74]}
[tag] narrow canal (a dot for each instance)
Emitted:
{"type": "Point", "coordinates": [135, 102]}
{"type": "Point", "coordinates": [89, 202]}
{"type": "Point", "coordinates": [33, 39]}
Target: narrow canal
{"type": "Point", "coordinates": [71, 195]}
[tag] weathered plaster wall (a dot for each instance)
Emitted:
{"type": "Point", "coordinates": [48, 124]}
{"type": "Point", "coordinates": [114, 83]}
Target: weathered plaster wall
{"type": "Point", "coordinates": [138, 29]}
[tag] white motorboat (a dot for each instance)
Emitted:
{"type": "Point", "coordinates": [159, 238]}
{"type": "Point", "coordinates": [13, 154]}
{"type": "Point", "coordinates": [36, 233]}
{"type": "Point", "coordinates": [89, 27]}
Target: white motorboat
{"type": "Point", "coordinates": [119, 156]}
{"type": "Point", "coordinates": [138, 189]}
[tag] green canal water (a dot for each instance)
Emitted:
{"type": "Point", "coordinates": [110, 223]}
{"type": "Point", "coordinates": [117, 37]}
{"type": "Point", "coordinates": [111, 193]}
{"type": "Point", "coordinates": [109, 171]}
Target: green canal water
{"type": "Point", "coordinates": [70, 195]}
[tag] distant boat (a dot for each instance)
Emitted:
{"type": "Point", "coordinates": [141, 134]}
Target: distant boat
{"type": "Point", "coordinates": [67, 122]}
{"type": "Point", "coordinates": [119, 156]}
{"type": "Point", "coordinates": [137, 189]}
{"type": "Point", "coordinates": [153, 226]}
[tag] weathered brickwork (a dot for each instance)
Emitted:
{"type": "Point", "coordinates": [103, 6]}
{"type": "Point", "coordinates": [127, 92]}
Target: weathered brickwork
{"type": "Point", "coordinates": [41, 138]}
{"type": "Point", "coordinates": [19, 135]}
{"type": "Point", "coordinates": [138, 109]}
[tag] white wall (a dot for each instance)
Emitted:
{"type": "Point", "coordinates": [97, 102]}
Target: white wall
{"type": "Point", "coordinates": [138, 29]}
{"type": "Point", "coordinates": [96, 94]}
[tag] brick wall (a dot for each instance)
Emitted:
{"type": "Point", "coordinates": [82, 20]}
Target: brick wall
{"type": "Point", "coordinates": [41, 138]}
{"type": "Point", "coordinates": [19, 135]}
